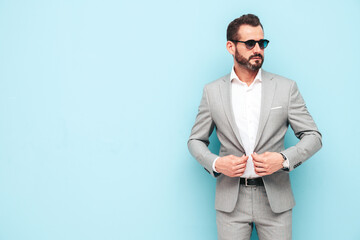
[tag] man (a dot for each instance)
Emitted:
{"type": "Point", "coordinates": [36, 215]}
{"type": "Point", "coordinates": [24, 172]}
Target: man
{"type": "Point", "coordinates": [251, 110]}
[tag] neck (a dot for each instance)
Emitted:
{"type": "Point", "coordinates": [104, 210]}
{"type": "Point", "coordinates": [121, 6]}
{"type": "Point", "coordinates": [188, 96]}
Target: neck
{"type": "Point", "coordinates": [244, 74]}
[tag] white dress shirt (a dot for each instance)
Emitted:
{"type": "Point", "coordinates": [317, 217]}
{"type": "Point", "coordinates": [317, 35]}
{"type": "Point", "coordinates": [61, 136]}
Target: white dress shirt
{"type": "Point", "coordinates": [246, 104]}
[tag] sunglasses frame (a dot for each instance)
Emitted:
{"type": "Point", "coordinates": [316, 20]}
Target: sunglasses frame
{"type": "Point", "coordinates": [263, 45]}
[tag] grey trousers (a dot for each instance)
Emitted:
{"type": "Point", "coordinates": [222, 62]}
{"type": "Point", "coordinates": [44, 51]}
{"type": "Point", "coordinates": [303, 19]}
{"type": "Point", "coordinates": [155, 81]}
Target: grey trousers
{"type": "Point", "coordinates": [252, 208]}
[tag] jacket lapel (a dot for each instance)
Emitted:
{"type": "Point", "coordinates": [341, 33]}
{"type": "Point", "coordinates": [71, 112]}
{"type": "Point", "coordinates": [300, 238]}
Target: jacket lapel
{"type": "Point", "coordinates": [267, 95]}
{"type": "Point", "coordinates": [225, 93]}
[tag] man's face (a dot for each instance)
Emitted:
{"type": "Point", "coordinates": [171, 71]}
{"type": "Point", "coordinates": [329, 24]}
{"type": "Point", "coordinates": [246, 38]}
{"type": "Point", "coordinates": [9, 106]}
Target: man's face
{"type": "Point", "coordinates": [254, 58]}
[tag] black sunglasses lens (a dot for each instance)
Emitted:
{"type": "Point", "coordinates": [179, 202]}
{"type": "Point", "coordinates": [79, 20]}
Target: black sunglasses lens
{"type": "Point", "coordinates": [250, 44]}
{"type": "Point", "coordinates": [263, 43]}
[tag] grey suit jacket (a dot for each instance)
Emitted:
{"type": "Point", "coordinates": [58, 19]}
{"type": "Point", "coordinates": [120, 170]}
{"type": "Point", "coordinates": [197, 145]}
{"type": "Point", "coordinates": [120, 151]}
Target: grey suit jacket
{"type": "Point", "coordinates": [281, 105]}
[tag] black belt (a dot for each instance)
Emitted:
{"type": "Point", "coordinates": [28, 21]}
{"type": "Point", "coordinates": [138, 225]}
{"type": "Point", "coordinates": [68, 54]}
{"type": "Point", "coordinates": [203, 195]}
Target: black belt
{"type": "Point", "coordinates": [252, 181]}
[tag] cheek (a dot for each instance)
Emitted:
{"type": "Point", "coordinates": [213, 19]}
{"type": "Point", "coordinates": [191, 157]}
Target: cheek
{"type": "Point", "coordinates": [260, 52]}
{"type": "Point", "coordinates": [243, 54]}
{"type": "Point", "coordinates": [247, 56]}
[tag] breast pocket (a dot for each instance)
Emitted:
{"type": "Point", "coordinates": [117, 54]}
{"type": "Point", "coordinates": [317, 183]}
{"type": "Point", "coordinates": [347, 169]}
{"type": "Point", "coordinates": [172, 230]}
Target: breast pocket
{"type": "Point", "coordinates": [277, 113]}
{"type": "Point", "coordinates": [276, 108]}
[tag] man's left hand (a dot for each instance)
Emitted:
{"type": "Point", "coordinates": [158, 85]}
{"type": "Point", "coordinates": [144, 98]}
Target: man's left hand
{"type": "Point", "coordinates": [267, 163]}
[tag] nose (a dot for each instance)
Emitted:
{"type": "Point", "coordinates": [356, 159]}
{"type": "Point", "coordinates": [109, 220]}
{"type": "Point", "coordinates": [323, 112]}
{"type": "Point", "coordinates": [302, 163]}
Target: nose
{"type": "Point", "coordinates": [257, 48]}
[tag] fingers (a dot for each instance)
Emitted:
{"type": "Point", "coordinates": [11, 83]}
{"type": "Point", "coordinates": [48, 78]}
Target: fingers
{"type": "Point", "coordinates": [256, 156]}
{"type": "Point", "coordinates": [267, 163]}
{"type": "Point", "coordinates": [242, 159]}
{"type": "Point", "coordinates": [260, 158]}
{"type": "Point", "coordinates": [233, 166]}
{"type": "Point", "coordinates": [238, 160]}
{"type": "Point", "coordinates": [259, 166]}
{"type": "Point", "coordinates": [239, 167]}
{"type": "Point", "coordinates": [239, 172]}
{"type": "Point", "coordinates": [260, 169]}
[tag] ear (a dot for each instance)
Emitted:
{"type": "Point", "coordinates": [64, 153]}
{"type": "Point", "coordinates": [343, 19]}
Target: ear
{"type": "Point", "coordinates": [230, 46]}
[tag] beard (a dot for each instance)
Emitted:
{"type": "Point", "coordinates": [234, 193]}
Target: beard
{"type": "Point", "coordinates": [246, 62]}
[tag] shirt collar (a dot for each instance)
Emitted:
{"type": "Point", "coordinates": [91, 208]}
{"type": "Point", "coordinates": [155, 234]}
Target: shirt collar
{"type": "Point", "coordinates": [234, 76]}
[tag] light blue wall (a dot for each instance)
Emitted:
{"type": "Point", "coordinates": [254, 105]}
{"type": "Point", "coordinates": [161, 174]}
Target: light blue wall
{"type": "Point", "coordinates": [97, 99]}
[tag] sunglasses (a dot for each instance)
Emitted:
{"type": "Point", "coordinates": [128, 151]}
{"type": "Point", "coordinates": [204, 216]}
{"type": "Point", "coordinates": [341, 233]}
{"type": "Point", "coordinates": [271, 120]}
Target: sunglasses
{"type": "Point", "coordinates": [250, 44]}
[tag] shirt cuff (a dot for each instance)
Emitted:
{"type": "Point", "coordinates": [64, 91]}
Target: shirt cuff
{"type": "Point", "coordinates": [213, 165]}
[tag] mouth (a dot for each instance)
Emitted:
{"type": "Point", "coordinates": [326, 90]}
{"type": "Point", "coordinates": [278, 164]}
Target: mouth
{"type": "Point", "coordinates": [256, 58]}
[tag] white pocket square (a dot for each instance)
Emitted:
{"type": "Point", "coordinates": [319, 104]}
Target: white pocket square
{"type": "Point", "coordinates": [276, 107]}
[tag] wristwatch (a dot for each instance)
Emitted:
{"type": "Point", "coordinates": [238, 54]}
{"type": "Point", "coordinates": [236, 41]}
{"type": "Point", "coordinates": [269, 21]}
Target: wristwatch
{"type": "Point", "coordinates": [285, 162]}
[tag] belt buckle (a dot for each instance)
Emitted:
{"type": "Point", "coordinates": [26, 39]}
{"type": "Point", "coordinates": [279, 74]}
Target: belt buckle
{"type": "Point", "coordinates": [246, 182]}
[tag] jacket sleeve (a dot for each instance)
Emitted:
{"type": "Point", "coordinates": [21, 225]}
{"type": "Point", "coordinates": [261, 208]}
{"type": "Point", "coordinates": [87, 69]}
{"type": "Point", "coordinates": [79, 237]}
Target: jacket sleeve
{"type": "Point", "coordinates": [304, 128]}
{"type": "Point", "coordinates": [199, 138]}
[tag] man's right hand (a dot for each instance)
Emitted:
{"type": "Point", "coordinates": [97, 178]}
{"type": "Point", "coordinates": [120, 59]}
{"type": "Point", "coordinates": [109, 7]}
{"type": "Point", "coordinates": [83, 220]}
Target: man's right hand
{"type": "Point", "coordinates": [231, 165]}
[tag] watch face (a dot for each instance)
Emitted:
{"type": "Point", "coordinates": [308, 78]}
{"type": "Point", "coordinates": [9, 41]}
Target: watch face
{"type": "Point", "coordinates": [286, 164]}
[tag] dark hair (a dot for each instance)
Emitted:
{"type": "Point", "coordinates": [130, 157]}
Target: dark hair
{"type": "Point", "coordinates": [233, 28]}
